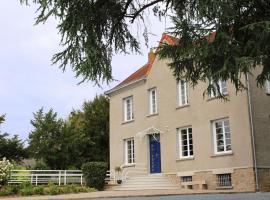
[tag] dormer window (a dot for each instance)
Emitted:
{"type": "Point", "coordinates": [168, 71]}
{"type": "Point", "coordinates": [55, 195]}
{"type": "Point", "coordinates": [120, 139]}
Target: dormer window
{"type": "Point", "coordinates": [128, 108]}
{"type": "Point", "coordinates": [152, 101]}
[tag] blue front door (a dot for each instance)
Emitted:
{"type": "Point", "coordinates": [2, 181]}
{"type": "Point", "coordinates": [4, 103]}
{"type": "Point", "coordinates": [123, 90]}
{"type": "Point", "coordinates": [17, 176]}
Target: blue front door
{"type": "Point", "coordinates": [155, 161]}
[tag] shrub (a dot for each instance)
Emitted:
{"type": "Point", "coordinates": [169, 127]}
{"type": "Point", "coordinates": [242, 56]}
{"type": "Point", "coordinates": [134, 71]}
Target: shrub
{"type": "Point", "coordinates": [7, 190]}
{"type": "Point", "coordinates": [26, 190]}
{"type": "Point", "coordinates": [95, 174]}
{"type": "Point", "coordinates": [53, 189]}
{"type": "Point", "coordinates": [5, 171]}
{"type": "Point", "coordinates": [39, 190]}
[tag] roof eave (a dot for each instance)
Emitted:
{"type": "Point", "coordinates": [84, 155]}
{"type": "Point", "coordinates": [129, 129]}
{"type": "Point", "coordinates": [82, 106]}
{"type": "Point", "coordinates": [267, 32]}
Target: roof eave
{"type": "Point", "coordinates": [119, 87]}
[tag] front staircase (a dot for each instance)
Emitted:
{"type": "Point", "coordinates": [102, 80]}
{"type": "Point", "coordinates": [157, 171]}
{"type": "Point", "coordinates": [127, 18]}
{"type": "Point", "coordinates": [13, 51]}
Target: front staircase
{"type": "Point", "coordinates": [147, 182]}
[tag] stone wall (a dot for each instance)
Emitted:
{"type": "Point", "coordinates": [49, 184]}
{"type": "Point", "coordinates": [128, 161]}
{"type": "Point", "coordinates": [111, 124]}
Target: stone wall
{"type": "Point", "coordinates": [243, 180]}
{"type": "Point", "coordinates": [264, 179]}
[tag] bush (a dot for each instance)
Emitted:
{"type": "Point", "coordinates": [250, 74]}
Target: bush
{"type": "Point", "coordinates": [6, 190]}
{"type": "Point", "coordinates": [39, 190]}
{"type": "Point", "coordinates": [26, 190]}
{"type": "Point", "coordinates": [95, 174]}
{"type": "Point", "coordinates": [52, 189]}
{"type": "Point", "coordinates": [5, 171]}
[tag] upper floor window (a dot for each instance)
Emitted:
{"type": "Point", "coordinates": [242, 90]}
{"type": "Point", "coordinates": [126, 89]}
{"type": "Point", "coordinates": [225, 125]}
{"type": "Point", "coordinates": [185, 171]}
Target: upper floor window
{"type": "Point", "coordinates": [185, 142]}
{"type": "Point", "coordinates": [182, 93]}
{"type": "Point", "coordinates": [128, 108]}
{"type": "Point", "coordinates": [152, 101]}
{"type": "Point", "coordinates": [219, 88]}
{"type": "Point", "coordinates": [222, 136]}
{"type": "Point", "coordinates": [267, 85]}
{"type": "Point", "coordinates": [129, 151]}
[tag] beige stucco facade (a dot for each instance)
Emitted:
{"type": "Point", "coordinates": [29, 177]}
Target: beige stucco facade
{"type": "Point", "coordinates": [198, 114]}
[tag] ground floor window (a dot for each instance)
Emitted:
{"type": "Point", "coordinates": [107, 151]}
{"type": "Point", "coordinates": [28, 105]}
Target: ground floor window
{"type": "Point", "coordinates": [129, 151]}
{"type": "Point", "coordinates": [185, 142]}
{"type": "Point", "coordinates": [224, 180]}
{"type": "Point", "coordinates": [222, 136]}
{"type": "Point", "coordinates": [186, 178]}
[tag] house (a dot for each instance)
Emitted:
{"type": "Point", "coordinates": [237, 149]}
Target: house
{"type": "Point", "coordinates": [167, 127]}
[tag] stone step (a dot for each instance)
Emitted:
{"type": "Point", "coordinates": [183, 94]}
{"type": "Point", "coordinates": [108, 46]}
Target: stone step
{"type": "Point", "coordinates": [147, 182]}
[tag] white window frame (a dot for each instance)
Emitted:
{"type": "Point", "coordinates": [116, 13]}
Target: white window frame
{"type": "Point", "coordinates": [152, 101]}
{"type": "Point", "coordinates": [182, 93]}
{"type": "Point", "coordinates": [128, 157]}
{"type": "Point", "coordinates": [180, 141]}
{"type": "Point", "coordinates": [223, 90]}
{"type": "Point", "coordinates": [128, 115]}
{"type": "Point", "coordinates": [267, 86]}
{"type": "Point", "coordinates": [223, 136]}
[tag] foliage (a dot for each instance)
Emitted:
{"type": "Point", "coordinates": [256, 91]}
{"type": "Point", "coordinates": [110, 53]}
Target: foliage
{"type": "Point", "coordinates": [47, 140]}
{"type": "Point", "coordinates": [2, 118]}
{"type": "Point", "coordinates": [11, 148]}
{"type": "Point", "coordinates": [66, 144]}
{"type": "Point", "coordinates": [93, 30]}
{"type": "Point", "coordinates": [5, 171]}
{"type": "Point", "coordinates": [95, 174]}
{"type": "Point", "coordinates": [26, 189]}
{"type": "Point", "coordinates": [40, 166]}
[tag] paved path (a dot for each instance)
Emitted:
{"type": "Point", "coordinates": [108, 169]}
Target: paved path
{"type": "Point", "coordinates": [151, 195]}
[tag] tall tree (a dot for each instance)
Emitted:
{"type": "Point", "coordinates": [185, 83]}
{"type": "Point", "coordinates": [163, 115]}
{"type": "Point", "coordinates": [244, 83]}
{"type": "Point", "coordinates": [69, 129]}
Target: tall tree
{"type": "Point", "coordinates": [82, 137]}
{"type": "Point", "coordinates": [11, 148]}
{"type": "Point", "coordinates": [92, 31]}
{"type": "Point", "coordinates": [48, 138]}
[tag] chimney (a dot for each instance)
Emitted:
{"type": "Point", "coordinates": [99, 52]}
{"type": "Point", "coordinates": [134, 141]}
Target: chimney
{"type": "Point", "coordinates": [151, 55]}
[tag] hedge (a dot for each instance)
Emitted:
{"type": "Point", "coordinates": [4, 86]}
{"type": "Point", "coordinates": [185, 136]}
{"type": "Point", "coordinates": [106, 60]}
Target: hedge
{"type": "Point", "coordinates": [95, 174]}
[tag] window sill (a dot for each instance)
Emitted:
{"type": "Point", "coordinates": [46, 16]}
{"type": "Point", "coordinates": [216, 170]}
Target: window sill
{"type": "Point", "coordinates": [223, 154]}
{"type": "Point", "coordinates": [183, 106]}
{"type": "Point", "coordinates": [128, 165]}
{"type": "Point", "coordinates": [224, 188]}
{"type": "Point", "coordinates": [217, 97]}
{"type": "Point", "coordinates": [185, 158]}
{"type": "Point", "coordinates": [127, 122]}
{"type": "Point", "coordinates": [152, 115]}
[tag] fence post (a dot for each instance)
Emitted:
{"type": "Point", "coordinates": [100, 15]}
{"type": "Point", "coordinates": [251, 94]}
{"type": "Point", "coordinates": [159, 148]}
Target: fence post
{"type": "Point", "coordinates": [36, 179]}
{"type": "Point", "coordinates": [59, 175]}
{"type": "Point", "coordinates": [65, 178]}
{"type": "Point", "coordinates": [81, 180]}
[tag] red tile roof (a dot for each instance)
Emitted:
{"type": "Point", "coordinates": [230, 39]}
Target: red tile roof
{"type": "Point", "coordinates": [144, 71]}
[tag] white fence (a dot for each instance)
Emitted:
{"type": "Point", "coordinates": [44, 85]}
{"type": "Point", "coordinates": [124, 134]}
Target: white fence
{"type": "Point", "coordinates": [60, 177]}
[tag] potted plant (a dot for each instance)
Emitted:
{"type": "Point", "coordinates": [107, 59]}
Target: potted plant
{"type": "Point", "coordinates": [118, 170]}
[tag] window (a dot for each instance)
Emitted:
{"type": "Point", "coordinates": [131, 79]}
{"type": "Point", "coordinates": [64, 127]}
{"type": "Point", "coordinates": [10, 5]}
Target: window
{"type": "Point", "coordinates": [129, 151]}
{"type": "Point", "coordinates": [220, 87]}
{"type": "Point", "coordinates": [128, 109]}
{"type": "Point", "coordinates": [224, 180]}
{"type": "Point", "coordinates": [222, 136]}
{"type": "Point", "coordinates": [182, 93]}
{"type": "Point", "coordinates": [267, 85]}
{"type": "Point", "coordinates": [153, 101]}
{"type": "Point", "coordinates": [185, 142]}
{"type": "Point", "coordinates": [186, 178]}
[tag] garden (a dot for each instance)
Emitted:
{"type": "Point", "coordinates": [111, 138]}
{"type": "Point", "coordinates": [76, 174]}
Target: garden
{"type": "Point", "coordinates": [94, 174]}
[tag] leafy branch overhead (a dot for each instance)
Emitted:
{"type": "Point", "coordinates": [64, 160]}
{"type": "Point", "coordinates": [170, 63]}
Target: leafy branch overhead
{"type": "Point", "coordinates": [218, 39]}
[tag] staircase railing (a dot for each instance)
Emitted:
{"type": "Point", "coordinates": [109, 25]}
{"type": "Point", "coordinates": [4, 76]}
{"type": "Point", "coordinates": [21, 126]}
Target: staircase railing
{"type": "Point", "coordinates": [138, 169]}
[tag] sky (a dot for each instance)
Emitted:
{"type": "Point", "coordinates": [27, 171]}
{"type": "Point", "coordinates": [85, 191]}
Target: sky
{"type": "Point", "coordinates": [29, 81]}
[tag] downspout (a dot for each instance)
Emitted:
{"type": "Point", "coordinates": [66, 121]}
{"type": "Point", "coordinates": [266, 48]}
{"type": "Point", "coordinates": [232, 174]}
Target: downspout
{"type": "Point", "coordinates": [252, 133]}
